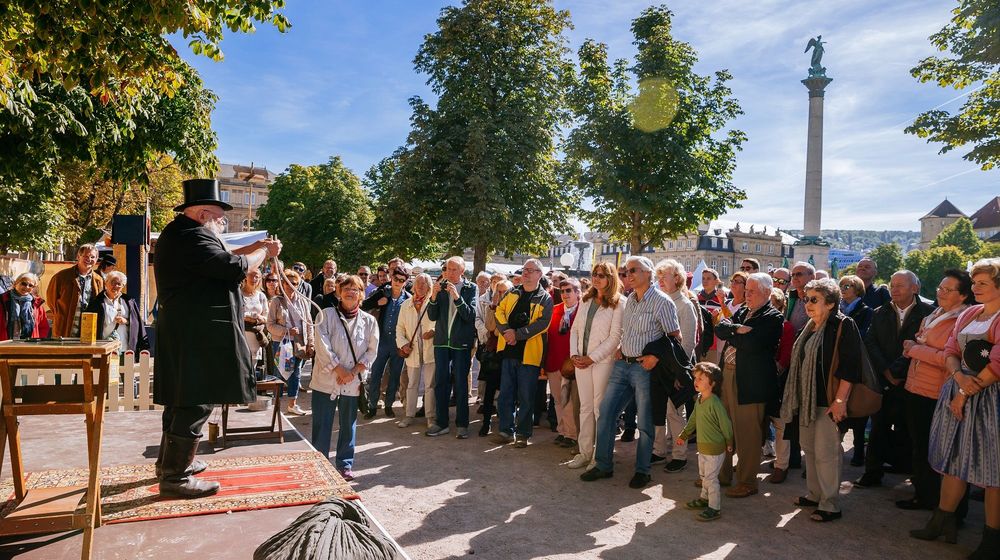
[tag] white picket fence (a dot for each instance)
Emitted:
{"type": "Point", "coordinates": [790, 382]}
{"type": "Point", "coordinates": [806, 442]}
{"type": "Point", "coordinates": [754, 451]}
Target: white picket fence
{"type": "Point", "coordinates": [130, 387]}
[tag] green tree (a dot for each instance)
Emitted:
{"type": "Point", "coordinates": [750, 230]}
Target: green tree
{"type": "Point", "coordinates": [396, 214]}
{"type": "Point", "coordinates": [959, 234]}
{"type": "Point", "coordinates": [318, 212]}
{"type": "Point", "coordinates": [657, 161]}
{"type": "Point", "coordinates": [888, 258]}
{"type": "Point", "coordinates": [114, 50]}
{"type": "Point", "coordinates": [987, 251]}
{"type": "Point", "coordinates": [479, 168]}
{"type": "Point", "coordinates": [972, 41]}
{"type": "Point", "coordinates": [930, 265]}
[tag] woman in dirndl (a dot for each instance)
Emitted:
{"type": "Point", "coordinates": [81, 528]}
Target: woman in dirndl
{"type": "Point", "coordinates": [965, 444]}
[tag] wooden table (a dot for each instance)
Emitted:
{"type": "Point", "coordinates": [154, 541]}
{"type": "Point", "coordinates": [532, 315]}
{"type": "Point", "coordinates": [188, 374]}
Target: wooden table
{"type": "Point", "coordinates": [45, 510]}
{"type": "Point", "coordinates": [258, 432]}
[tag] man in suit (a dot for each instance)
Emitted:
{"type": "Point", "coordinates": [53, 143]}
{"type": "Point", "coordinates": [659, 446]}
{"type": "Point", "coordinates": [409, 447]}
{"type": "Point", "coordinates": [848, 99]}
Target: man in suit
{"type": "Point", "coordinates": [201, 357]}
{"type": "Point", "coordinates": [71, 290]}
{"type": "Point", "coordinates": [329, 271]}
{"type": "Point", "coordinates": [892, 323]}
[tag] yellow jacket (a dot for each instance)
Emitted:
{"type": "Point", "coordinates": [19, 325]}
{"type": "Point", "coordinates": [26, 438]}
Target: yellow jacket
{"type": "Point", "coordinates": [531, 335]}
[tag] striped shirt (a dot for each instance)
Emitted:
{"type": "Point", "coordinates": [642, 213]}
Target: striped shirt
{"type": "Point", "coordinates": [647, 320]}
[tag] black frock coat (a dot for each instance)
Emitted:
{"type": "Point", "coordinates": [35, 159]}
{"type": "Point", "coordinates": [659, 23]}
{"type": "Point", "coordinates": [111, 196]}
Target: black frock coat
{"type": "Point", "coordinates": [201, 354]}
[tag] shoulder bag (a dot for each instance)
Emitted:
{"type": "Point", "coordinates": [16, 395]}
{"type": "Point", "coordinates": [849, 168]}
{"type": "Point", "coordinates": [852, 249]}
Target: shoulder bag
{"type": "Point", "coordinates": [362, 394]}
{"type": "Point", "coordinates": [866, 396]}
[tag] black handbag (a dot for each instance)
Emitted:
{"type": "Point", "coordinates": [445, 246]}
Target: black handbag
{"type": "Point", "coordinates": [362, 394]}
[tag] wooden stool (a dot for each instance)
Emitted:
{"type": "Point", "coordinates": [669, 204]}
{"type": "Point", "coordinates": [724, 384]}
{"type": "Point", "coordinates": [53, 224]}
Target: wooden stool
{"type": "Point", "coordinates": [258, 432]}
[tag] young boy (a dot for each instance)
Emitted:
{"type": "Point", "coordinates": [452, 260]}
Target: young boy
{"type": "Point", "coordinates": [715, 436]}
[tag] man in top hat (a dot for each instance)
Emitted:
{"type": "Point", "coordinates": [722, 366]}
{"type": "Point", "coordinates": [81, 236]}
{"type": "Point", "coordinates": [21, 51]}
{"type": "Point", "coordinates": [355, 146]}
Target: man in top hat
{"type": "Point", "coordinates": [201, 357]}
{"type": "Point", "coordinates": [107, 264]}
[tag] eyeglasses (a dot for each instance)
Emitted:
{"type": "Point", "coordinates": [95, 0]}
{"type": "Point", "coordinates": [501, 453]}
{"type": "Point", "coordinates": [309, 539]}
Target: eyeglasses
{"type": "Point", "coordinates": [946, 289]}
{"type": "Point", "coordinates": [26, 284]}
{"type": "Point", "coordinates": [741, 282]}
{"type": "Point", "coordinates": [364, 275]}
{"type": "Point", "coordinates": [799, 273]}
{"type": "Point", "coordinates": [813, 299]}
{"type": "Point", "coordinates": [846, 287]}
{"type": "Point", "coordinates": [600, 275]}
{"type": "Point", "coordinates": [399, 279]}
{"type": "Point", "coordinates": [531, 270]}
{"type": "Point", "coordinates": [635, 270]}
{"type": "Point", "coordinates": [780, 281]}
{"type": "Point", "coordinates": [568, 290]}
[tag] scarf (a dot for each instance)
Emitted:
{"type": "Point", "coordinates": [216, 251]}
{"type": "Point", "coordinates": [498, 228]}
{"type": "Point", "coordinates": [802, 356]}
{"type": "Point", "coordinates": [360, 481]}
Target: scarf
{"type": "Point", "coordinates": [848, 308]}
{"type": "Point", "coordinates": [348, 313]}
{"type": "Point", "coordinates": [566, 318]}
{"type": "Point", "coordinates": [20, 310]}
{"type": "Point", "coordinates": [800, 389]}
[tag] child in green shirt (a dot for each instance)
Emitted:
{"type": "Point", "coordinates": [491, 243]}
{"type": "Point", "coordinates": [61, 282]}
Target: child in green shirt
{"type": "Point", "coordinates": [715, 438]}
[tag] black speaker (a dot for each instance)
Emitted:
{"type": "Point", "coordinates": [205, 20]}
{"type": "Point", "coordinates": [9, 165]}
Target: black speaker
{"type": "Point", "coordinates": [128, 230]}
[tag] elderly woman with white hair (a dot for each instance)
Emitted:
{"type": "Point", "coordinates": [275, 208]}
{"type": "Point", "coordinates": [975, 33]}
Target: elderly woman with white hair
{"type": "Point", "coordinates": [22, 314]}
{"type": "Point", "coordinates": [415, 340]}
{"type": "Point", "coordinates": [672, 280]}
{"type": "Point", "coordinates": [118, 316]}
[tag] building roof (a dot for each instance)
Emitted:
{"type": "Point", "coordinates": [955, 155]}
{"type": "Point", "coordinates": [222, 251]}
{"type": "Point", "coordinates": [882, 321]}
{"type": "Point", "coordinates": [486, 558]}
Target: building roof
{"type": "Point", "coordinates": [723, 227]}
{"type": "Point", "coordinates": [988, 216]}
{"type": "Point", "coordinates": [248, 173]}
{"type": "Point", "coordinates": [995, 238]}
{"type": "Point", "coordinates": [944, 210]}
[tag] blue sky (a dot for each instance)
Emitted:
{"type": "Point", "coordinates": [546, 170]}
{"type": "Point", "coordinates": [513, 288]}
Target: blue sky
{"type": "Point", "coordinates": [338, 83]}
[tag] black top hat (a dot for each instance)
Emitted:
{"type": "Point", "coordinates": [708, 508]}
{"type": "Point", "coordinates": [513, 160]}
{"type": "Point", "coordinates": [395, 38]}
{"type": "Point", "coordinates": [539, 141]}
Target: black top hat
{"type": "Point", "coordinates": [201, 191]}
{"type": "Point", "coordinates": [977, 354]}
{"type": "Point", "coordinates": [109, 259]}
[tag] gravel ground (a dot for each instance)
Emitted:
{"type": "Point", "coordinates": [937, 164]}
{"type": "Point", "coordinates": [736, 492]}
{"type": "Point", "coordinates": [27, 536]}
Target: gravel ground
{"type": "Point", "coordinates": [448, 498]}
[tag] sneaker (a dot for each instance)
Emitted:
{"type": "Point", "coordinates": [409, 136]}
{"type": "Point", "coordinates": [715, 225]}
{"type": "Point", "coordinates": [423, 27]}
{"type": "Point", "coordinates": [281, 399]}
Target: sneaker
{"type": "Point", "coordinates": [405, 422]}
{"type": "Point", "coordinates": [295, 410]}
{"type": "Point", "coordinates": [578, 462]}
{"type": "Point", "coordinates": [462, 433]}
{"type": "Point", "coordinates": [699, 504]}
{"type": "Point", "coordinates": [595, 474]}
{"type": "Point", "coordinates": [501, 438]}
{"type": "Point", "coordinates": [656, 459]}
{"type": "Point", "coordinates": [708, 515]}
{"type": "Point", "coordinates": [768, 449]}
{"type": "Point", "coordinates": [520, 442]}
{"type": "Point", "coordinates": [484, 430]}
{"type": "Point", "coordinates": [628, 435]}
{"type": "Point", "coordinates": [568, 443]}
{"type": "Point", "coordinates": [639, 480]}
{"type": "Point", "coordinates": [348, 474]}
{"type": "Point", "coordinates": [436, 430]}
{"type": "Point", "coordinates": [675, 465]}
{"type": "Point", "coordinates": [559, 439]}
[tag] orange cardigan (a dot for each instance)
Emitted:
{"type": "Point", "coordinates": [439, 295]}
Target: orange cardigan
{"type": "Point", "coordinates": [927, 372]}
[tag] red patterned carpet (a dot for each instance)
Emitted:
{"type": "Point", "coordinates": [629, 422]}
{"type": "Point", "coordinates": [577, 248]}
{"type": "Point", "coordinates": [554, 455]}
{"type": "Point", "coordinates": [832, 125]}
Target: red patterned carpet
{"type": "Point", "coordinates": [129, 492]}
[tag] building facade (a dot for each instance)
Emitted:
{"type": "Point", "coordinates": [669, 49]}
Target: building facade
{"type": "Point", "coordinates": [246, 189]}
{"type": "Point", "coordinates": [931, 225]}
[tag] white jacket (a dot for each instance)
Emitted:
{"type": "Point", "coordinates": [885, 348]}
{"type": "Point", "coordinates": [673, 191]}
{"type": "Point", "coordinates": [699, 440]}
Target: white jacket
{"type": "Point", "coordinates": [332, 349]}
{"type": "Point", "coordinates": [407, 325]}
{"type": "Point", "coordinates": [605, 332]}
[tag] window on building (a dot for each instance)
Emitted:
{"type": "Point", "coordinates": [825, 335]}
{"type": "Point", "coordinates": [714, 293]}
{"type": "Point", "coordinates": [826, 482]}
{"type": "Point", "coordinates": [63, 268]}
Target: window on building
{"type": "Point", "coordinates": [246, 198]}
{"type": "Point", "coordinates": [715, 242]}
{"type": "Point", "coordinates": [224, 195]}
{"type": "Point", "coordinates": [757, 248]}
{"type": "Point", "coordinates": [715, 264]}
{"type": "Point", "coordinates": [725, 243]}
{"type": "Point", "coordinates": [744, 247]}
{"type": "Point", "coordinates": [670, 245]}
{"type": "Point", "coordinates": [770, 249]}
{"type": "Point", "coordinates": [725, 269]}
{"type": "Point", "coordinates": [690, 243]}
{"type": "Point", "coordinates": [253, 199]}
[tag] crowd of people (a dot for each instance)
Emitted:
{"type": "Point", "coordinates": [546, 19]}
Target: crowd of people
{"type": "Point", "coordinates": [760, 363]}
{"type": "Point", "coordinates": [779, 363]}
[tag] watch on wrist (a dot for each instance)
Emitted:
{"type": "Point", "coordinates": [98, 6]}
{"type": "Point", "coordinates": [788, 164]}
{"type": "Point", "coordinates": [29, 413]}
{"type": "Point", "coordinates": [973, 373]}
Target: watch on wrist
{"type": "Point", "coordinates": [962, 392]}
{"type": "Point", "coordinates": [839, 401]}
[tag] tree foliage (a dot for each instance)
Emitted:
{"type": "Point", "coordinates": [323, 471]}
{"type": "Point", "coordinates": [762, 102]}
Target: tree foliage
{"type": "Point", "coordinates": [959, 234]}
{"type": "Point", "coordinates": [70, 138]}
{"type": "Point", "coordinates": [656, 161]}
{"type": "Point", "coordinates": [972, 43]}
{"type": "Point", "coordinates": [319, 212]}
{"type": "Point", "coordinates": [888, 258]}
{"type": "Point", "coordinates": [479, 168]}
{"type": "Point", "coordinates": [115, 50]}
{"type": "Point", "coordinates": [930, 265]}
{"type": "Point", "coordinates": [987, 251]}
{"type": "Point", "coordinates": [396, 213]}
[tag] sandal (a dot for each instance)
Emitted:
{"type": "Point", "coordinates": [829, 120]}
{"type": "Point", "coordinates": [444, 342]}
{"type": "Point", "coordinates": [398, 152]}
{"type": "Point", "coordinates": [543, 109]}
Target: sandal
{"type": "Point", "coordinates": [708, 515]}
{"type": "Point", "coordinates": [803, 501]}
{"type": "Point", "coordinates": [821, 516]}
{"type": "Point", "coordinates": [699, 503]}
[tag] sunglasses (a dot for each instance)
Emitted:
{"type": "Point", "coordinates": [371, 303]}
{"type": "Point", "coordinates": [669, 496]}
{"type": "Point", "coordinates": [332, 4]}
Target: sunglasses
{"type": "Point", "coordinates": [813, 299]}
{"type": "Point", "coordinates": [780, 281]}
{"type": "Point", "coordinates": [740, 282]}
{"type": "Point", "coordinates": [621, 275]}
{"type": "Point", "coordinates": [299, 268]}
{"type": "Point", "coordinates": [567, 290]}
{"type": "Point", "coordinates": [271, 281]}
{"type": "Point", "coordinates": [635, 270]}
{"type": "Point", "coordinates": [26, 284]}
{"type": "Point", "coordinates": [398, 279]}
{"type": "Point", "coordinates": [364, 275]}
{"type": "Point", "coordinates": [600, 275]}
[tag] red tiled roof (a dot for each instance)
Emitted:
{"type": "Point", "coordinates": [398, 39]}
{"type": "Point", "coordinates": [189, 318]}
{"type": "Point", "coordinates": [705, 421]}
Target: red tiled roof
{"type": "Point", "coordinates": [988, 216]}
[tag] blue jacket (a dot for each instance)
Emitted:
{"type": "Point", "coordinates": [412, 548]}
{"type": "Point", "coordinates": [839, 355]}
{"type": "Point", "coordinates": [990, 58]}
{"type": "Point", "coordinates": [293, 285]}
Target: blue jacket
{"type": "Point", "coordinates": [463, 329]}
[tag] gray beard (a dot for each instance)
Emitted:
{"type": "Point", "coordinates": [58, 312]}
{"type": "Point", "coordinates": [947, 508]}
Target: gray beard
{"type": "Point", "coordinates": [214, 227]}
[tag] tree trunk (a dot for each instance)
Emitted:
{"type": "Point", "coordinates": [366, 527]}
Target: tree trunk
{"type": "Point", "coordinates": [479, 260]}
{"type": "Point", "coordinates": [635, 234]}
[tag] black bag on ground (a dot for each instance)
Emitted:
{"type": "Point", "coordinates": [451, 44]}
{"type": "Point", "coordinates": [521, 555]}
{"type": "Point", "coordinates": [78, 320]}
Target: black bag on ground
{"type": "Point", "coordinates": [334, 529]}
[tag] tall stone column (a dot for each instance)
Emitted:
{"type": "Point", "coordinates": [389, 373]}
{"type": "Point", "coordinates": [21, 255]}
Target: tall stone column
{"type": "Point", "coordinates": [814, 156]}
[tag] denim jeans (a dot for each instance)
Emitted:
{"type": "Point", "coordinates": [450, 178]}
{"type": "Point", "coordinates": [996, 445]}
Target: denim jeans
{"type": "Point", "coordinates": [520, 381]}
{"type": "Point", "coordinates": [449, 362]}
{"type": "Point", "coordinates": [292, 383]}
{"type": "Point", "coordinates": [323, 410]}
{"type": "Point", "coordinates": [387, 354]}
{"type": "Point", "coordinates": [626, 379]}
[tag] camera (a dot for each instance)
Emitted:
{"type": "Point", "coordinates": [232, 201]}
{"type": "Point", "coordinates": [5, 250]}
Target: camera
{"type": "Point", "coordinates": [443, 282]}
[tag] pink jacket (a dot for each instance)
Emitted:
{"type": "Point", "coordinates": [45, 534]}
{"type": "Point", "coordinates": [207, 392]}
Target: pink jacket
{"type": "Point", "coordinates": [964, 319]}
{"type": "Point", "coordinates": [927, 372]}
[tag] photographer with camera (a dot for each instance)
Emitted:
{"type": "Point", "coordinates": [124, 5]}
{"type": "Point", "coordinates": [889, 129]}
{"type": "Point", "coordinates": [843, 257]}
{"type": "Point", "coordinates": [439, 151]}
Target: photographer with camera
{"type": "Point", "coordinates": [385, 303]}
{"type": "Point", "coordinates": [453, 308]}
